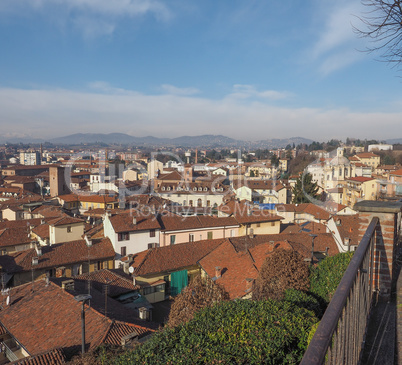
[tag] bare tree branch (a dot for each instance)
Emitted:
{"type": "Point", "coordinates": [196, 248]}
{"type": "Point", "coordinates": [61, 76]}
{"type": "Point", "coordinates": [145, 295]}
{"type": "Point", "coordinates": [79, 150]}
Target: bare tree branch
{"type": "Point", "coordinates": [382, 25]}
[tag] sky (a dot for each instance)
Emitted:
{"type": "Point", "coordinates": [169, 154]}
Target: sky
{"type": "Point", "coordinates": [247, 69]}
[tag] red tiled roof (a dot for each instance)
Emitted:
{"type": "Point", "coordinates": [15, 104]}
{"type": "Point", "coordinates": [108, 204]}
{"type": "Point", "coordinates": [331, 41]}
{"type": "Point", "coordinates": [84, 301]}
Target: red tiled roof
{"type": "Point", "coordinates": [361, 179]}
{"type": "Point", "coordinates": [300, 242]}
{"type": "Point", "coordinates": [64, 221]}
{"type": "Point", "coordinates": [125, 222]}
{"type": "Point", "coordinates": [397, 172]}
{"type": "Point", "coordinates": [14, 236]}
{"type": "Point", "coordinates": [256, 216]}
{"type": "Point", "coordinates": [174, 223]}
{"type": "Point", "coordinates": [348, 227]}
{"type": "Point", "coordinates": [97, 199]}
{"type": "Point", "coordinates": [308, 208]}
{"type": "Point", "coordinates": [235, 268]}
{"type": "Point", "coordinates": [259, 253]}
{"type": "Point", "coordinates": [68, 197]}
{"type": "Point", "coordinates": [172, 258]}
{"type": "Point", "coordinates": [118, 282]}
{"type": "Point", "coordinates": [52, 357]}
{"type": "Point", "coordinates": [260, 184]}
{"type": "Point", "coordinates": [61, 254]}
{"type": "Point", "coordinates": [310, 227]}
{"type": "Point", "coordinates": [366, 155]}
{"type": "Point", "coordinates": [42, 231]}
{"type": "Point", "coordinates": [43, 316]}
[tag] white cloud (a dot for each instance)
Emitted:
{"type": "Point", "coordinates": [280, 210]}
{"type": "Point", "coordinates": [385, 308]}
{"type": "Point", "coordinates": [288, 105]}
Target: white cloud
{"type": "Point", "coordinates": [91, 17]}
{"type": "Point", "coordinates": [249, 91]}
{"type": "Point", "coordinates": [49, 113]}
{"type": "Point", "coordinates": [170, 89]}
{"type": "Point", "coordinates": [337, 44]}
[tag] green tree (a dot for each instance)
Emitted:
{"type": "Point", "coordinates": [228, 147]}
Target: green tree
{"type": "Point", "coordinates": [274, 160]}
{"type": "Point", "coordinates": [304, 189]}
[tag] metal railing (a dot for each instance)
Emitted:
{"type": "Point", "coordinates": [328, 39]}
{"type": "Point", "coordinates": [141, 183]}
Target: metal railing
{"type": "Point", "coordinates": [339, 338]}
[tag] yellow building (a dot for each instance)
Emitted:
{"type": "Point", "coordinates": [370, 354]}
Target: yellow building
{"type": "Point", "coordinates": [369, 159]}
{"type": "Point", "coordinates": [359, 188]}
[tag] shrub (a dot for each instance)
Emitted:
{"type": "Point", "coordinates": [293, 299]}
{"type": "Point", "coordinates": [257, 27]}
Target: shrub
{"type": "Point", "coordinates": [200, 293]}
{"type": "Point", "coordinates": [326, 276]}
{"type": "Point", "coordinates": [304, 300]}
{"type": "Point", "coordinates": [232, 332]}
{"type": "Point", "coordinates": [283, 269]}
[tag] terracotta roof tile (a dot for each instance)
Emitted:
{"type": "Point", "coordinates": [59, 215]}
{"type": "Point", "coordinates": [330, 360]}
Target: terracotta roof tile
{"type": "Point", "coordinates": [118, 282]}
{"type": "Point", "coordinates": [52, 357]}
{"type": "Point", "coordinates": [124, 222]}
{"type": "Point", "coordinates": [43, 316]}
{"type": "Point", "coordinates": [61, 254]}
{"type": "Point", "coordinates": [235, 268]}
{"type": "Point", "coordinates": [172, 258]}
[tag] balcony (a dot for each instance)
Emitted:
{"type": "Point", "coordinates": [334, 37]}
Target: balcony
{"type": "Point", "coordinates": [359, 325]}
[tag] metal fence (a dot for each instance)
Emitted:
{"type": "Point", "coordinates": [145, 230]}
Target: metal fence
{"type": "Point", "coordinates": [340, 335]}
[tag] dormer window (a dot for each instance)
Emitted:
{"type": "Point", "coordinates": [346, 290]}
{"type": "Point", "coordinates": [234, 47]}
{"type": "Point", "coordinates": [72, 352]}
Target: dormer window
{"type": "Point", "coordinates": [195, 189]}
{"type": "Point", "coordinates": [168, 189]}
{"type": "Point", "coordinates": [199, 189]}
{"type": "Point", "coordinates": [163, 188]}
{"type": "Point", "coordinates": [213, 189]}
{"type": "Point", "coordinates": [205, 189]}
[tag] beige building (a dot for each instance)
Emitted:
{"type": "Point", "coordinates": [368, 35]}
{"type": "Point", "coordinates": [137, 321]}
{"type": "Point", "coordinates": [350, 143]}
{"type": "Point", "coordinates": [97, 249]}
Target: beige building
{"type": "Point", "coordinates": [359, 188]}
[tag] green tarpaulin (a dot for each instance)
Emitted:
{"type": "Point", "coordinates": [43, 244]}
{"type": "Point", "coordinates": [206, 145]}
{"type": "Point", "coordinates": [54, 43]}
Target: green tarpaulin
{"type": "Point", "coordinates": [178, 281]}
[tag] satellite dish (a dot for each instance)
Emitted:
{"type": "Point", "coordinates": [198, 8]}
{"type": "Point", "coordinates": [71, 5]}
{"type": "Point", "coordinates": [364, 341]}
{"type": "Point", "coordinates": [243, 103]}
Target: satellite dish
{"type": "Point", "coordinates": [131, 270]}
{"type": "Point", "coordinates": [8, 300]}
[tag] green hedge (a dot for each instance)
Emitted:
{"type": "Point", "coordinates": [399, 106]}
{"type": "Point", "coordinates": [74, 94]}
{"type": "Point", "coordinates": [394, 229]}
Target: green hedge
{"type": "Point", "coordinates": [239, 332]}
{"type": "Point", "coordinates": [326, 276]}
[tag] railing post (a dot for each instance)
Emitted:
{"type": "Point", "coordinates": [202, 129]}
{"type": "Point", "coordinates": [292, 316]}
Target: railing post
{"type": "Point", "coordinates": [386, 237]}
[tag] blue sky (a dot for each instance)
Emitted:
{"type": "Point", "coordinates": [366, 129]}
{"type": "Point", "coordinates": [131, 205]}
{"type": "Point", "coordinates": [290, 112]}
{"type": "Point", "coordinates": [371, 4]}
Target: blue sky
{"type": "Point", "coordinates": [249, 69]}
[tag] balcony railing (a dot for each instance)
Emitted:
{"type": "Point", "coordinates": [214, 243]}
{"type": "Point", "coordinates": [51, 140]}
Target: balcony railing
{"type": "Point", "coordinates": [339, 338]}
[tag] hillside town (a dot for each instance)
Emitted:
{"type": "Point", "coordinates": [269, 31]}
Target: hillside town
{"type": "Point", "coordinates": [125, 230]}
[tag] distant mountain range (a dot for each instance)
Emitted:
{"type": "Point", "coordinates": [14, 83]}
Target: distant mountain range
{"type": "Point", "coordinates": [209, 141]}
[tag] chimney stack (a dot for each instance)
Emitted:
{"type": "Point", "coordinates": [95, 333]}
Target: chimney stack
{"type": "Point", "coordinates": [218, 273]}
{"type": "Point", "coordinates": [134, 220]}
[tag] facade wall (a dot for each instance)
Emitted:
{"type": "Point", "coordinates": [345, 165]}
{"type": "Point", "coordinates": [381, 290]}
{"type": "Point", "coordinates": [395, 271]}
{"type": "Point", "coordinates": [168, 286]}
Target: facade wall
{"type": "Point", "coordinates": [183, 236]}
{"type": "Point", "coordinates": [65, 233]}
{"type": "Point", "coordinates": [260, 228]}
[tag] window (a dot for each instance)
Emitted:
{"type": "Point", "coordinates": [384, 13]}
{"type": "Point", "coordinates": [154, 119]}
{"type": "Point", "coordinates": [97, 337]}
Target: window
{"type": "Point", "coordinates": [69, 229]}
{"type": "Point", "coordinates": [123, 236]}
{"type": "Point", "coordinates": [210, 235]}
{"type": "Point", "coordinates": [152, 233]}
{"type": "Point", "coordinates": [191, 237]}
{"type": "Point", "coordinates": [258, 225]}
{"type": "Point", "coordinates": [123, 250]}
{"type": "Point", "coordinates": [208, 203]}
{"type": "Point", "coordinates": [199, 203]}
{"type": "Point", "coordinates": [104, 265]}
{"type": "Point", "coordinates": [172, 239]}
{"type": "Point", "coordinates": [272, 224]}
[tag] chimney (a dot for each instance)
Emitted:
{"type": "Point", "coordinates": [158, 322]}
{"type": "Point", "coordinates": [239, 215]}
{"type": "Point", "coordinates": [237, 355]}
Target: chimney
{"type": "Point", "coordinates": [35, 261]}
{"type": "Point", "coordinates": [88, 241]}
{"type": "Point", "coordinates": [218, 272]}
{"type": "Point", "coordinates": [134, 220]}
{"type": "Point", "coordinates": [38, 250]}
{"type": "Point", "coordinates": [249, 284]}
{"type": "Point", "coordinates": [67, 284]}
